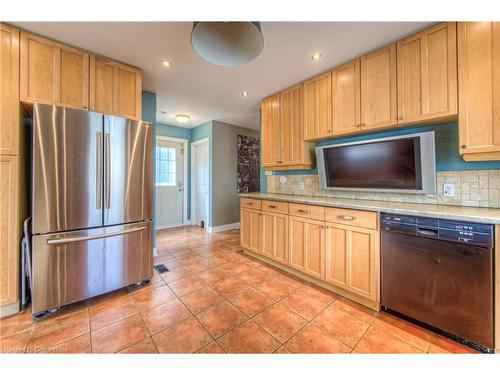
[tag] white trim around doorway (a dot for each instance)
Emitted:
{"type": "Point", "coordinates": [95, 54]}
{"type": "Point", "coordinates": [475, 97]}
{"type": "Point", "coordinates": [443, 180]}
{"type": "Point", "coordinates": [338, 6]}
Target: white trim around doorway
{"type": "Point", "coordinates": [184, 142]}
{"type": "Point", "coordinates": [193, 200]}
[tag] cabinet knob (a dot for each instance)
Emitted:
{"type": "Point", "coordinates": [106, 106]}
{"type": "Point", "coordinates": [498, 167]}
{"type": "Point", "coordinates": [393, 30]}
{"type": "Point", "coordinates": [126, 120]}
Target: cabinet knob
{"type": "Point", "coordinates": [84, 107]}
{"type": "Point", "coordinates": [92, 108]}
{"type": "Point", "coordinates": [400, 117]}
{"type": "Point", "coordinates": [463, 146]}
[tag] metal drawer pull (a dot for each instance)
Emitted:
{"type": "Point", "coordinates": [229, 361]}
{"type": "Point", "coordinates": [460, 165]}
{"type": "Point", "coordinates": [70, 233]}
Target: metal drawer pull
{"type": "Point", "coordinates": [58, 241]}
{"type": "Point", "coordinates": [249, 204]}
{"type": "Point", "coordinates": [345, 217]}
{"type": "Point", "coordinates": [272, 206]}
{"type": "Point", "coordinates": [305, 211]}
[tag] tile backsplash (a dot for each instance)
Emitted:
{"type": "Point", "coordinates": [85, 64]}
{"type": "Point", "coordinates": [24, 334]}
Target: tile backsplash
{"type": "Point", "coordinates": [472, 188]}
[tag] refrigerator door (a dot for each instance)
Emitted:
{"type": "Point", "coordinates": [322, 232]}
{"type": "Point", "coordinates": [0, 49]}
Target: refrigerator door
{"type": "Point", "coordinates": [128, 170]}
{"type": "Point", "coordinates": [67, 169]}
{"type": "Point", "coordinates": [73, 266]}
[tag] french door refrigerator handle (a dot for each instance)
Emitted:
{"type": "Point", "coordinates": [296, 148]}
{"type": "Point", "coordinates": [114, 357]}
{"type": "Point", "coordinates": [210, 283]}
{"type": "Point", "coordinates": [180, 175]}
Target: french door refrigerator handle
{"type": "Point", "coordinates": [99, 170]}
{"type": "Point", "coordinates": [60, 241]}
{"type": "Point", "coordinates": [107, 150]}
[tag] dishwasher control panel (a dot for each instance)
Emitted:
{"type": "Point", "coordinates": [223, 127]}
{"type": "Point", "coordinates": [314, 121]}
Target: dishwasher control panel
{"type": "Point", "coordinates": [455, 231]}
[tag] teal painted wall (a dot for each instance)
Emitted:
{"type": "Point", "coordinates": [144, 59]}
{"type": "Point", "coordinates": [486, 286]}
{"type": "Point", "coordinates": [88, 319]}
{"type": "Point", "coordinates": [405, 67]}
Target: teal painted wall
{"type": "Point", "coordinates": [447, 156]}
{"type": "Point", "coordinates": [173, 131]}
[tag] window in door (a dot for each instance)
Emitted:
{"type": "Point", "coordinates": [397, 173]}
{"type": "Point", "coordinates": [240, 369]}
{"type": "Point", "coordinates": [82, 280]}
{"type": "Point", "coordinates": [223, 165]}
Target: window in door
{"type": "Point", "coordinates": [165, 166]}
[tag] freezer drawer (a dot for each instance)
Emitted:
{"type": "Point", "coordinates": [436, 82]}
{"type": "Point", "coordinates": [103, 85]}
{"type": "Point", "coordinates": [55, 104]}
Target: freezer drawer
{"type": "Point", "coordinates": [73, 266]}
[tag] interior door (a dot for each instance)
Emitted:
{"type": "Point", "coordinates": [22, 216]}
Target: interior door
{"type": "Point", "coordinates": [128, 170]}
{"type": "Point", "coordinates": [200, 183]}
{"type": "Point", "coordinates": [169, 183]}
{"type": "Point", "coordinates": [67, 173]}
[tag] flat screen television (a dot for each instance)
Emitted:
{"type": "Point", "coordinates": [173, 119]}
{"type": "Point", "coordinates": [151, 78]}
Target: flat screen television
{"type": "Point", "coordinates": [404, 164]}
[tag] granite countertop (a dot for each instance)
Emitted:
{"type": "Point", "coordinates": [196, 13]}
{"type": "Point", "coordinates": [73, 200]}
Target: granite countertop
{"type": "Point", "coordinates": [471, 214]}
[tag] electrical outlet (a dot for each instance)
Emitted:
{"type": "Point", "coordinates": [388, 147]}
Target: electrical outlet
{"type": "Point", "coordinates": [301, 186]}
{"type": "Point", "coordinates": [448, 190]}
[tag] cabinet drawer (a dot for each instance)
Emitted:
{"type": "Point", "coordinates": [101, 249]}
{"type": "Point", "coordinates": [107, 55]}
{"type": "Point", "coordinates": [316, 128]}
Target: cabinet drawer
{"type": "Point", "coordinates": [306, 210]}
{"type": "Point", "coordinates": [274, 206]}
{"type": "Point", "coordinates": [364, 219]}
{"type": "Point", "coordinates": [251, 203]}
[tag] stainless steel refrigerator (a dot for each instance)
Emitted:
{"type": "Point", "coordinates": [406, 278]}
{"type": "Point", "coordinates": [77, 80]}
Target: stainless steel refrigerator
{"type": "Point", "coordinates": [92, 197]}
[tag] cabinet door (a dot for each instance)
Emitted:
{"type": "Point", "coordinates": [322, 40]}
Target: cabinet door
{"type": "Point", "coordinates": [9, 94]}
{"type": "Point", "coordinates": [251, 228]}
{"type": "Point", "coordinates": [378, 88]}
{"type": "Point", "coordinates": [9, 229]}
{"type": "Point", "coordinates": [352, 259]}
{"type": "Point", "coordinates": [275, 236]}
{"type": "Point", "coordinates": [318, 107]}
{"type": "Point", "coordinates": [306, 245]}
{"type": "Point", "coordinates": [479, 85]}
{"type": "Point", "coordinates": [115, 88]}
{"type": "Point", "coordinates": [270, 131]}
{"type": "Point", "coordinates": [346, 104]}
{"type": "Point", "coordinates": [53, 73]}
{"type": "Point", "coordinates": [291, 127]}
{"type": "Point", "coordinates": [427, 75]}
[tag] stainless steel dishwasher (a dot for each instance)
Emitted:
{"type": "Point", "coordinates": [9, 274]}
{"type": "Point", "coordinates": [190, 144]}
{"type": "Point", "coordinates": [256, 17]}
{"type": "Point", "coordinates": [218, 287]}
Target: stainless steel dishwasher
{"type": "Point", "coordinates": [440, 273]}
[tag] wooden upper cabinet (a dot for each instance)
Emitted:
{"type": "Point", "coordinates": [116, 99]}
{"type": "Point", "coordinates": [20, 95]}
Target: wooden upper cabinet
{"type": "Point", "coordinates": [318, 107]}
{"type": "Point", "coordinates": [53, 73]}
{"type": "Point", "coordinates": [479, 85]}
{"type": "Point", "coordinates": [115, 88]}
{"type": "Point", "coordinates": [270, 117]}
{"type": "Point", "coordinates": [378, 88]}
{"type": "Point", "coordinates": [427, 75]}
{"type": "Point", "coordinates": [346, 101]}
{"type": "Point", "coordinates": [292, 126]}
{"type": "Point", "coordinates": [9, 94]}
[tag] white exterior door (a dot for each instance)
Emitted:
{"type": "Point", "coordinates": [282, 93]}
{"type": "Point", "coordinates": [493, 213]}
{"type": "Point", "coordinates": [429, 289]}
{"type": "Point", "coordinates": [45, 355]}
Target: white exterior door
{"type": "Point", "coordinates": [200, 166]}
{"type": "Point", "coordinates": [169, 183]}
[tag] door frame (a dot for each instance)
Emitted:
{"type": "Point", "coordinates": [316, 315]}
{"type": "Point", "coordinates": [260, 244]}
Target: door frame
{"type": "Point", "coordinates": [184, 142]}
{"type": "Point", "coordinates": [193, 200]}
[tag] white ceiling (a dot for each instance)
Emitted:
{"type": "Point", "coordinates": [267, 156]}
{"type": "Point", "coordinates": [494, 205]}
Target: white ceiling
{"type": "Point", "coordinates": [209, 92]}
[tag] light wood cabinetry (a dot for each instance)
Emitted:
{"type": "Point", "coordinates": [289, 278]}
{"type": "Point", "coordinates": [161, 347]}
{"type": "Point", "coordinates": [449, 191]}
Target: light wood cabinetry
{"type": "Point", "coordinates": [9, 94]}
{"type": "Point", "coordinates": [115, 88]}
{"type": "Point", "coordinates": [346, 102]}
{"type": "Point", "coordinates": [53, 73]}
{"type": "Point", "coordinates": [427, 75]}
{"type": "Point", "coordinates": [270, 131]}
{"type": "Point", "coordinates": [306, 242]}
{"type": "Point", "coordinates": [352, 259]}
{"type": "Point", "coordinates": [378, 88]}
{"type": "Point", "coordinates": [479, 90]}
{"type": "Point", "coordinates": [9, 229]}
{"type": "Point", "coordinates": [318, 107]}
{"type": "Point", "coordinates": [275, 236]}
{"type": "Point", "coordinates": [251, 229]}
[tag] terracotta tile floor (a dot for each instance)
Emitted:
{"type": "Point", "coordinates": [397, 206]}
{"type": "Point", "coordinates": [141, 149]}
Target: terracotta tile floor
{"type": "Point", "coordinates": [214, 299]}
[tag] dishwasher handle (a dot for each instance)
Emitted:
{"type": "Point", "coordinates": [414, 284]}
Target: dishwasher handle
{"type": "Point", "coordinates": [427, 232]}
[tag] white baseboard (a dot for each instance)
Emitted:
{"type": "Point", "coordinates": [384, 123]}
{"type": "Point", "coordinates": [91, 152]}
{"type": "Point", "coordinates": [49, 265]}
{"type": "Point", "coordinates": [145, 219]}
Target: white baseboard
{"type": "Point", "coordinates": [160, 227]}
{"type": "Point", "coordinates": [224, 227]}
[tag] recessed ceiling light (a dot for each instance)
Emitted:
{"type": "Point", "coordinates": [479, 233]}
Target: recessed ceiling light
{"type": "Point", "coordinates": [245, 93]}
{"type": "Point", "coordinates": [182, 119]}
{"type": "Point", "coordinates": [316, 56]}
{"type": "Point", "coordinates": [165, 63]}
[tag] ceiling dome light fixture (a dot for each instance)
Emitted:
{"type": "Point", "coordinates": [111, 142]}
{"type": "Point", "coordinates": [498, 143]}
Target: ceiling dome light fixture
{"type": "Point", "coordinates": [166, 63]}
{"type": "Point", "coordinates": [316, 56]}
{"type": "Point", "coordinates": [245, 93]}
{"type": "Point", "coordinates": [182, 119]}
{"type": "Point", "coordinates": [227, 43]}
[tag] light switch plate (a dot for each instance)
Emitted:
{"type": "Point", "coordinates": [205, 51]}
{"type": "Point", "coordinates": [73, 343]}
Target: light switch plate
{"type": "Point", "coordinates": [269, 173]}
{"type": "Point", "coordinates": [448, 190]}
{"type": "Point", "coordinates": [301, 186]}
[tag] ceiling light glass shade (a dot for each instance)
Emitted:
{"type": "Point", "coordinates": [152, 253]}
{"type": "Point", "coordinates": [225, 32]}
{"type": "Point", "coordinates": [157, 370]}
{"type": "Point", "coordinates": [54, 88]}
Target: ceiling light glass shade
{"type": "Point", "coordinates": [227, 43]}
{"type": "Point", "coordinates": [182, 118]}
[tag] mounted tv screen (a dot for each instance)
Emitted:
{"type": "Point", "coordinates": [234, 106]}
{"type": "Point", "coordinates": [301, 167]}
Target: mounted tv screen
{"type": "Point", "coordinates": [404, 164]}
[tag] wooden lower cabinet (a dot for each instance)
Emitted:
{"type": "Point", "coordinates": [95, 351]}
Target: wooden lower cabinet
{"type": "Point", "coordinates": [307, 246]}
{"type": "Point", "coordinates": [251, 228]}
{"type": "Point", "coordinates": [353, 259]}
{"type": "Point", "coordinates": [275, 236]}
